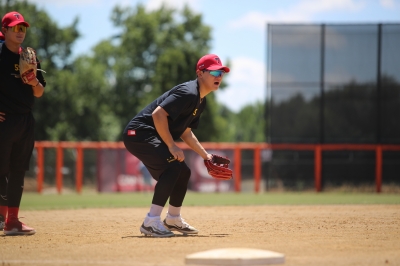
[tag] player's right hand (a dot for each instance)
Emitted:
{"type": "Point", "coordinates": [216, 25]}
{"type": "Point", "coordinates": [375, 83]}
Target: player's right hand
{"type": "Point", "coordinates": [177, 153]}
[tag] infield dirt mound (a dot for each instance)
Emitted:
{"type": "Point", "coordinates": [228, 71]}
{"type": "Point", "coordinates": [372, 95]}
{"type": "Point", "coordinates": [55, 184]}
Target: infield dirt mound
{"type": "Point", "coordinates": [307, 235]}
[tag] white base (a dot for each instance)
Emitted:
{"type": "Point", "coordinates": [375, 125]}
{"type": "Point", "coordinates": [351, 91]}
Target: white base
{"type": "Point", "coordinates": [235, 257]}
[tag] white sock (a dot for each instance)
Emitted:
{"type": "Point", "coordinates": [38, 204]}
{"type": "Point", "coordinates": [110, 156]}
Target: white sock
{"type": "Point", "coordinates": [174, 211]}
{"type": "Point", "coordinates": [155, 210]}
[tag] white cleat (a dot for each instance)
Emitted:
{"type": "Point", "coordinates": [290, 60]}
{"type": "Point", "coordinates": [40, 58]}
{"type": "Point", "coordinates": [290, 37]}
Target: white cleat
{"type": "Point", "coordinates": [177, 223]}
{"type": "Point", "coordinates": [152, 226]}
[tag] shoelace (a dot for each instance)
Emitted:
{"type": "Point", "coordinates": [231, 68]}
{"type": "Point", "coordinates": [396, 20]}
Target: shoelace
{"type": "Point", "coordinates": [161, 227]}
{"type": "Point", "coordinates": [184, 223]}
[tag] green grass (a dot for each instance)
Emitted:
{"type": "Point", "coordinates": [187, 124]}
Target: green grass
{"type": "Point", "coordinates": [34, 201]}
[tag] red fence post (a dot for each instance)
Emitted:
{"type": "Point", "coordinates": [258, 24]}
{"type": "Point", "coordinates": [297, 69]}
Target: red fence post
{"type": "Point", "coordinates": [98, 173]}
{"type": "Point", "coordinates": [237, 171]}
{"type": "Point", "coordinates": [378, 168]}
{"type": "Point", "coordinates": [59, 166]}
{"type": "Point", "coordinates": [318, 167]}
{"type": "Point", "coordinates": [257, 169]}
{"type": "Point", "coordinates": [40, 168]}
{"type": "Point", "coordinates": [79, 168]}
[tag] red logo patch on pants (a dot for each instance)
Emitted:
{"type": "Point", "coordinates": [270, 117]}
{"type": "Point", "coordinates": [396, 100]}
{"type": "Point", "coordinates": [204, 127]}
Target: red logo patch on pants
{"type": "Point", "coordinates": [131, 132]}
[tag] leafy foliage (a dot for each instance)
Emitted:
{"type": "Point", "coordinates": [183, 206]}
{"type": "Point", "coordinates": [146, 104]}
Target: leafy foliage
{"type": "Point", "coordinates": [252, 124]}
{"type": "Point", "coordinates": [94, 96]}
{"type": "Point", "coordinates": [154, 54]}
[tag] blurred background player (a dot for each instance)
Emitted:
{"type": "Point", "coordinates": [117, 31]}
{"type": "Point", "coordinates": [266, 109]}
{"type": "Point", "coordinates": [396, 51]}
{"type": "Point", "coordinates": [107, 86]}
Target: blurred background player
{"type": "Point", "coordinates": [16, 123]}
{"type": "Point", "coordinates": [151, 135]}
{"type": "Point", "coordinates": [1, 37]}
{"type": "Point", "coordinates": [147, 186]}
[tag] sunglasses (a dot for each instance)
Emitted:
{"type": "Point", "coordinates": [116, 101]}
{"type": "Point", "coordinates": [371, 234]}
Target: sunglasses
{"type": "Point", "coordinates": [19, 28]}
{"type": "Point", "coordinates": [216, 73]}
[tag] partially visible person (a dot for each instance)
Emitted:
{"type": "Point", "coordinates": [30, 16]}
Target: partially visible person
{"type": "Point", "coordinates": [16, 123]}
{"type": "Point", "coordinates": [146, 176]}
{"type": "Point", "coordinates": [1, 37]}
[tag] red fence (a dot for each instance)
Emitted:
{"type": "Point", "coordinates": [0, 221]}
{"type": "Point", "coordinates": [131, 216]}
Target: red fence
{"type": "Point", "coordinates": [236, 147]}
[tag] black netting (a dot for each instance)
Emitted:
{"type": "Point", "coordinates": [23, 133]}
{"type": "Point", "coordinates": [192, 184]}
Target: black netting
{"type": "Point", "coordinates": [390, 56]}
{"type": "Point", "coordinates": [350, 54]}
{"type": "Point", "coordinates": [348, 168]}
{"type": "Point", "coordinates": [333, 83]}
{"type": "Point", "coordinates": [295, 114]}
{"type": "Point", "coordinates": [292, 54]}
{"type": "Point", "coordinates": [290, 170]}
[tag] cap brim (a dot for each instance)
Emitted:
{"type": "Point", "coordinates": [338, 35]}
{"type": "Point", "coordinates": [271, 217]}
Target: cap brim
{"type": "Point", "coordinates": [12, 24]}
{"type": "Point", "coordinates": [218, 67]}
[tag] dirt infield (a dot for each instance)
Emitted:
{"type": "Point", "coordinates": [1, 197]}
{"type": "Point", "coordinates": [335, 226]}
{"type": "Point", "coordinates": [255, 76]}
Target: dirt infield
{"type": "Point", "coordinates": [307, 235]}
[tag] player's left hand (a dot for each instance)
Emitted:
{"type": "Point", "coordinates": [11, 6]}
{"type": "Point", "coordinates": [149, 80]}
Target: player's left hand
{"type": "Point", "coordinates": [217, 167]}
{"type": "Point", "coordinates": [28, 65]}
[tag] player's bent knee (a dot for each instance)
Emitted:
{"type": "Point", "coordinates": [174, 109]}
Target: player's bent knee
{"type": "Point", "coordinates": [185, 172]}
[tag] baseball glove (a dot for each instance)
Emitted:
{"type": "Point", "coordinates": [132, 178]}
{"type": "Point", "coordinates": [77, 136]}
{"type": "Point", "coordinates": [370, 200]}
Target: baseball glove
{"type": "Point", "coordinates": [217, 167]}
{"type": "Point", "coordinates": [28, 64]}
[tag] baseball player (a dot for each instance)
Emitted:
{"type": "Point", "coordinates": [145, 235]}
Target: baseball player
{"type": "Point", "coordinates": [1, 37]}
{"type": "Point", "coordinates": [151, 135]}
{"type": "Point", "coordinates": [16, 123]}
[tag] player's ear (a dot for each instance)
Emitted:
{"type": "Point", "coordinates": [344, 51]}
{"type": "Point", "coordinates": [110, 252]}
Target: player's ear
{"type": "Point", "coordinates": [199, 73]}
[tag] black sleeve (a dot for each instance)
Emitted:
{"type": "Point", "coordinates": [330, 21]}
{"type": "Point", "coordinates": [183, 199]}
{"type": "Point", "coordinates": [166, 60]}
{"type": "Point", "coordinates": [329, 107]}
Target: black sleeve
{"type": "Point", "coordinates": [177, 102]}
{"type": "Point", "coordinates": [39, 74]}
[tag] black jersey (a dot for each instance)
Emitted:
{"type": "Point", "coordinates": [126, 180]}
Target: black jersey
{"type": "Point", "coordinates": [15, 96]}
{"type": "Point", "coordinates": [183, 105]}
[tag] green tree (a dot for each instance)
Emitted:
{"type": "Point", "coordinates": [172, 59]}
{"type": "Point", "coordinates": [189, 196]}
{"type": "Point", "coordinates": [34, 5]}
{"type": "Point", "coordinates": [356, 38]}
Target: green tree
{"type": "Point", "coordinates": [80, 98]}
{"type": "Point", "coordinates": [155, 51]}
{"type": "Point", "coordinates": [250, 125]}
{"type": "Point", "coordinates": [93, 97]}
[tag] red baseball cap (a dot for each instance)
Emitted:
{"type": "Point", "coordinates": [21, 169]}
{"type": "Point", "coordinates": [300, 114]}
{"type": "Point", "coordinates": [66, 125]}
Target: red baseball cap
{"type": "Point", "coordinates": [211, 62]}
{"type": "Point", "coordinates": [13, 18]}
